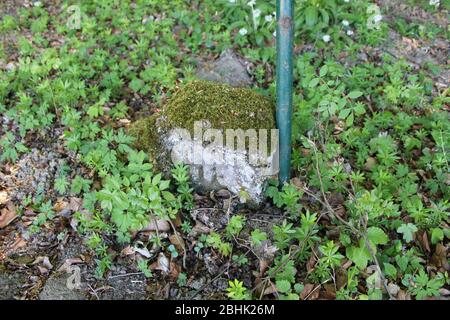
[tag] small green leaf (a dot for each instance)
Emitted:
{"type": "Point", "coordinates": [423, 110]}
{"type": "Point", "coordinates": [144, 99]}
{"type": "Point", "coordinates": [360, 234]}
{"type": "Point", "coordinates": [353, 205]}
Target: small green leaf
{"type": "Point", "coordinates": [344, 113]}
{"type": "Point", "coordinates": [136, 84]}
{"type": "Point", "coordinates": [377, 236]}
{"type": "Point", "coordinates": [350, 119]}
{"type": "Point", "coordinates": [298, 287]}
{"type": "Point", "coordinates": [314, 82]}
{"type": "Point", "coordinates": [390, 270]}
{"type": "Point", "coordinates": [408, 231]}
{"type": "Point", "coordinates": [437, 235]}
{"type": "Point", "coordinates": [323, 71]}
{"type": "Point", "coordinates": [355, 94]}
{"type": "Point", "coordinates": [311, 15]}
{"type": "Point", "coordinates": [283, 286]}
{"type": "Point", "coordinates": [359, 255]}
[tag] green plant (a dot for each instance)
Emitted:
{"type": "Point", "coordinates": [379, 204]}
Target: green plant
{"type": "Point", "coordinates": [237, 291]}
{"type": "Point", "coordinates": [240, 260]}
{"type": "Point", "coordinates": [182, 279]}
{"type": "Point", "coordinates": [214, 240]}
{"type": "Point", "coordinates": [181, 176]}
{"type": "Point", "coordinates": [143, 267]}
{"type": "Point", "coordinates": [235, 226]}
{"type": "Point", "coordinates": [288, 197]}
{"type": "Point", "coordinates": [422, 286]}
{"type": "Point", "coordinates": [134, 195]}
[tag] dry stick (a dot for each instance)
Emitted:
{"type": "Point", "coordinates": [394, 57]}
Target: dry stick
{"type": "Point", "coordinates": [125, 275]}
{"type": "Point", "coordinates": [94, 291]}
{"type": "Point", "coordinates": [355, 230]}
{"type": "Point", "coordinates": [180, 242]}
{"type": "Point", "coordinates": [312, 291]}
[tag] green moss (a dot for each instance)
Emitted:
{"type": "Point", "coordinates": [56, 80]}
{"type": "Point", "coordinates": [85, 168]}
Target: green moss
{"type": "Point", "coordinates": [145, 132]}
{"type": "Point", "coordinates": [223, 106]}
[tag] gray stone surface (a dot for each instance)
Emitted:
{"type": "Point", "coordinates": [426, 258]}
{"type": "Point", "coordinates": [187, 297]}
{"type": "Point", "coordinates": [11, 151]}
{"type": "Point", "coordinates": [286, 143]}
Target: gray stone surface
{"type": "Point", "coordinates": [234, 172]}
{"type": "Point", "coordinates": [229, 69]}
{"type": "Point", "coordinates": [129, 287]}
{"type": "Point", "coordinates": [56, 289]}
{"type": "Point", "coordinates": [10, 285]}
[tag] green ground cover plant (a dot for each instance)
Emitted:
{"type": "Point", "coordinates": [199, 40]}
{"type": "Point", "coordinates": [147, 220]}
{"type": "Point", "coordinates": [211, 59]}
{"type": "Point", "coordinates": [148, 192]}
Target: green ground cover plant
{"type": "Point", "coordinates": [366, 214]}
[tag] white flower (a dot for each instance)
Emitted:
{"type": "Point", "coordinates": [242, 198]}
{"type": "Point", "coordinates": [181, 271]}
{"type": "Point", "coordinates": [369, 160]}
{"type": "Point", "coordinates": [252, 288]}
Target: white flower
{"type": "Point", "coordinates": [345, 23]}
{"type": "Point", "coordinates": [347, 1]}
{"type": "Point", "coordinates": [37, 4]}
{"type": "Point", "coordinates": [349, 32]}
{"type": "Point", "coordinates": [251, 3]}
{"type": "Point", "coordinates": [435, 3]}
{"type": "Point", "coordinates": [326, 38]}
{"type": "Point", "coordinates": [256, 13]}
{"type": "Point", "coordinates": [232, 1]}
{"type": "Point", "coordinates": [377, 18]}
{"type": "Point", "coordinates": [274, 33]}
{"type": "Point", "coordinates": [268, 18]}
{"type": "Point", "coordinates": [243, 32]}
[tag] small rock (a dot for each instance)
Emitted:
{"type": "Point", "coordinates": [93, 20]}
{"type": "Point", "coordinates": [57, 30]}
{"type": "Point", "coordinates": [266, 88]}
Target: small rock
{"type": "Point", "coordinates": [197, 283]}
{"type": "Point", "coordinates": [229, 69]}
{"type": "Point", "coordinates": [393, 289]}
{"type": "Point", "coordinates": [56, 288]}
{"type": "Point", "coordinates": [10, 66]}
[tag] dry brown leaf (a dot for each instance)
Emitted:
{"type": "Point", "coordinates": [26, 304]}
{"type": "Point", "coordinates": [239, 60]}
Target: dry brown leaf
{"type": "Point", "coordinates": [177, 222]}
{"type": "Point", "coordinates": [3, 197]}
{"type": "Point", "coordinates": [19, 243]}
{"type": "Point", "coordinates": [307, 290]}
{"type": "Point", "coordinates": [143, 252]}
{"type": "Point", "coordinates": [161, 264]}
{"type": "Point", "coordinates": [330, 291]}
{"type": "Point", "coordinates": [177, 241]}
{"type": "Point", "coordinates": [424, 241]}
{"type": "Point", "coordinates": [271, 289]}
{"type": "Point", "coordinates": [341, 278]}
{"type": "Point", "coordinates": [45, 261]}
{"type": "Point", "coordinates": [444, 292]}
{"type": "Point", "coordinates": [263, 265]}
{"type": "Point", "coordinates": [199, 229]}
{"type": "Point", "coordinates": [75, 204]}
{"type": "Point", "coordinates": [347, 264]}
{"type": "Point", "coordinates": [174, 270]}
{"type": "Point", "coordinates": [127, 251]}
{"type": "Point", "coordinates": [439, 258]}
{"type": "Point", "coordinates": [402, 295]}
{"type": "Point", "coordinates": [60, 205]}
{"type": "Point", "coordinates": [7, 215]}
{"type": "Point", "coordinates": [160, 225]}
{"type": "Point", "coordinates": [311, 263]}
{"type": "Point", "coordinates": [65, 267]}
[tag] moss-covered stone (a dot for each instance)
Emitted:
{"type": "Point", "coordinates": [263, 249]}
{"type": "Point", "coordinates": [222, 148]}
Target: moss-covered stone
{"type": "Point", "coordinates": [217, 106]}
{"type": "Point", "coordinates": [223, 106]}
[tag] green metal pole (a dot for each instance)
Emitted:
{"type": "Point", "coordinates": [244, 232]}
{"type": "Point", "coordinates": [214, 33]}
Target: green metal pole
{"type": "Point", "coordinates": [285, 37]}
